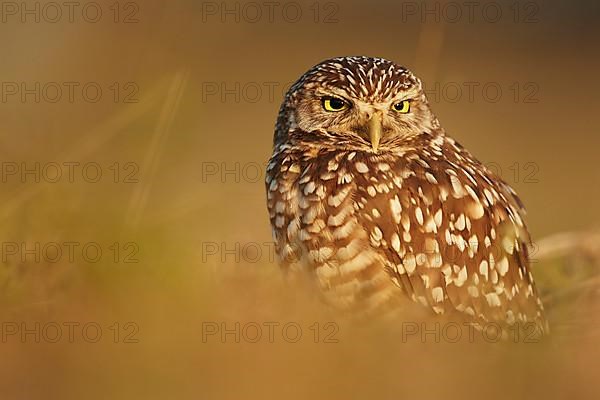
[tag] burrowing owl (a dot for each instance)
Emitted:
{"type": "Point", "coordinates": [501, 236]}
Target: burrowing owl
{"type": "Point", "coordinates": [368, 195]}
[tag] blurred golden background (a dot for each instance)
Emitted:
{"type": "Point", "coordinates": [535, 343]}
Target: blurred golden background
{"type": "Point", "coordinates": [133, 140]}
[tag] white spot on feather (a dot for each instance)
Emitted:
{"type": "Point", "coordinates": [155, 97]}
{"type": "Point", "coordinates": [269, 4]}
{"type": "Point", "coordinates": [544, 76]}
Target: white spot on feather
{"type": "Point", "coordinates": [502, 266]}
{"type": "Point", "coordinates": [438, 294]}
{"type": "Point", "coordinates": [361, 167]}
{"type": "Point", "coordinates": [396, 209]}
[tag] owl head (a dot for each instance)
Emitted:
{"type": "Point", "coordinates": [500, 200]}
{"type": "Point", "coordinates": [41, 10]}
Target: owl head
{"type": "Point", "coordinates": [362, 103]}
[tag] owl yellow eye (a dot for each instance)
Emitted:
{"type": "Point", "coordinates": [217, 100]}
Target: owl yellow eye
{"type": "Point", "coordinates": [402, 107]}
{"type": "Point", "coordinates": [334, 104]}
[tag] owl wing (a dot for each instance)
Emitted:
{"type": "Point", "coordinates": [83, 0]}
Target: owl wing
{"type": "Point", "coordinates": [453, 236]}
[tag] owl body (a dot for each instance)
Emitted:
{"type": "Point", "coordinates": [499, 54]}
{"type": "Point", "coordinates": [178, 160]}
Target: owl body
{"type": "Point", "coordinates": [371, 200]}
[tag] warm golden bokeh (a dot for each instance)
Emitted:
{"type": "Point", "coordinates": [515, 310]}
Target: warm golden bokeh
{"type": "Point", "coordinates": [188, 156]}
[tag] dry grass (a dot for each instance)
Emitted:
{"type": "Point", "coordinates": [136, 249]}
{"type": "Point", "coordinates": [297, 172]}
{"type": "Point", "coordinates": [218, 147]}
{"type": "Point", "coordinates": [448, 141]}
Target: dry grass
{"type": "Point", "coordinates": [365, 358]}
{"type": "Point", "coordinates": [172, 292]}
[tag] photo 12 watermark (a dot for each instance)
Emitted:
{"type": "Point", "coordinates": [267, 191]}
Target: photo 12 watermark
{"type": "Point", "coordinates": [53, 12]}
{"type": "Point", "coordinates": [89, 252]}
{"type": "Point", "coordinates": [483, 92]}
{"type": "Point", "coordinates": [290, 12]}
{"type": "Point", "coordinates": [68, 332]}
{"type": "Point", "coordinates": [68, 172]}
{"type": "Point", "coordinates": [269, 332]}
{"type": "Point", "coordinates": [243, 92]}
{"type": "Point", "coordinates": [237, 252]}
{"type": "Point", "coordinates": [51, 92]}
{"type": "Point", "coordinates": [471, 12]}
{"type": "Point", "coordinates": [468, 332]}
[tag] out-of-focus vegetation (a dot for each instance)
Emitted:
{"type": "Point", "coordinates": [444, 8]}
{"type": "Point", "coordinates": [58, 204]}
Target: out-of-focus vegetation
{"type": "Point", "coordinates": [181, 219]}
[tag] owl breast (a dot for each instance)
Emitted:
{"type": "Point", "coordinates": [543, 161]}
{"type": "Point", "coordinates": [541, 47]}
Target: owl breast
{"type": "Point", "coordinates": [315, 209]}
{"type": "Point", "coordinates": [424, 222]}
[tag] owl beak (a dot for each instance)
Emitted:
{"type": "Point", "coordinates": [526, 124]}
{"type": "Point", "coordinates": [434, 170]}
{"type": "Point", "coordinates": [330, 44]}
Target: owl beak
{"type": "Point", "coordinates": [375, 131]}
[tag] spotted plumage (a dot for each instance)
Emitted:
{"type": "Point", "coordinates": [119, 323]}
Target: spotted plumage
{"type": "Point", "coordinates": [369, 197]}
